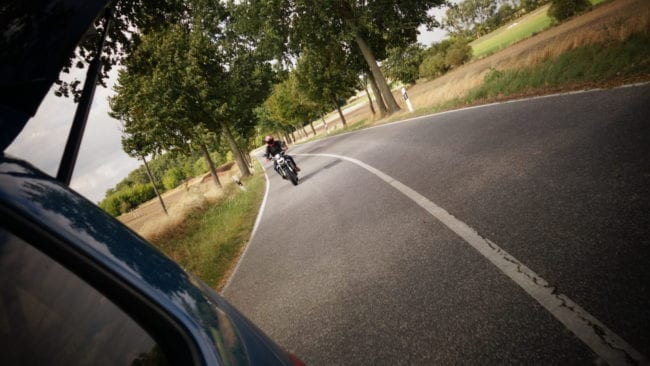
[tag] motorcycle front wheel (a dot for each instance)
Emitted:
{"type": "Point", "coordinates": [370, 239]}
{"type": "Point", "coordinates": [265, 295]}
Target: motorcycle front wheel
{"type": "Point", "coordinates": [293, 177]}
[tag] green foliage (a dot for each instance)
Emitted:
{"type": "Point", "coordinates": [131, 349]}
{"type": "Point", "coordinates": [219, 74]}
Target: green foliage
{"type": "Point", "coordinates": [443, 56]}
{"type": "Point", "coordinates": [472, 19]}
{"type": "Point", "coordinates": [433, 66]}
{"type": "Point", "coordinates": [173, 177]}
{"type": "Point", "coordinates": [563, 9]}
{"type": "Point", "coordinates": [130, 19]}
{"type": "Point", "coordinates": [199, 167]}
{"type": "Point", "coordinates": [169, 170]}
{"type": "Point", "coordinates": [288, 107]}
{"type": "Point", "coordinates": [530, 5]}
{"type": "Point", "coordinates": [459, 53]}
{"type": "Point", "coordinates": [374, 26]}
{"type": "Point", "coordinates": [403, 63]}
{"type": "Point", "coordinates": [321, 81]}
{"type": "Point", "coordinates": [469, 18]}
{"type": "Point", "coordinates": [126, 199]}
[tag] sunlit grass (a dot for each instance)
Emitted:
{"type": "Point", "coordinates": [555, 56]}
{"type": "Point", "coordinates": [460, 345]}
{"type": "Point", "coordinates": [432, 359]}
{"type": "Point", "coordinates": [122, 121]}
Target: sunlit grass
{"type": "Point", "coordinates": [522, 28]}
{"type": "Point", "coordinates": [515, 31]}
{"type": "Point", "coordinates": [210, 238]}
{"type": "Point", "coordinates": [590, 63]}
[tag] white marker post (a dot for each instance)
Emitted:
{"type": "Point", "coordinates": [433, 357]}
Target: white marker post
{"type": "Point", "coordinates": [406, 99]}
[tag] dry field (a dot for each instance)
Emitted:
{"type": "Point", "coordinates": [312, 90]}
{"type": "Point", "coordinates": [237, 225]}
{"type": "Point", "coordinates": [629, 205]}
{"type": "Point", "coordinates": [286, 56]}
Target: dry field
{"type": "Point", "coordinates": [149, 219]}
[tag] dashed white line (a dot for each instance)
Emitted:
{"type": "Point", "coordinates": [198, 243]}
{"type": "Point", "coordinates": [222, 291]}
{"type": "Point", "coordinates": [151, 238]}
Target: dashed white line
{"type": "Point", "coordinates": [605, 343]}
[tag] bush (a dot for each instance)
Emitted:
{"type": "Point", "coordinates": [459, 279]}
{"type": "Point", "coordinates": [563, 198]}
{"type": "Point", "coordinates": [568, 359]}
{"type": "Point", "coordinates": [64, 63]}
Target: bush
{"type": "Point", "coordinates": [199, 167]}
{"type": "Point", "coordinates": [459, 53]}
{"type": "Point", "coordinates": [443, 56]}
{"type": "Point", "coordinates": [139, 194]}
{"type": "Point", "coordinates": [563, 9]}
{"type": "Point", "coordinates": [433, 66]}
{"type": "Point", "coordinates": [128, 198]}
{"type": "Point", "coordinates": [530, 5]}
{"type": "Point", "coordinates": [403, 63]}
{"type": "Point", "coordinates": [172, 178]}
{"type": "Point", "coordinates": [111, 204]}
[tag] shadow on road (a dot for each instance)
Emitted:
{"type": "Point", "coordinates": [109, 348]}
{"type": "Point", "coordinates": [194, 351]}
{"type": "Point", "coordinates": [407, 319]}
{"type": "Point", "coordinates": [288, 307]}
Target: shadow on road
{"type": "Point", "coordinates": [316, 171]}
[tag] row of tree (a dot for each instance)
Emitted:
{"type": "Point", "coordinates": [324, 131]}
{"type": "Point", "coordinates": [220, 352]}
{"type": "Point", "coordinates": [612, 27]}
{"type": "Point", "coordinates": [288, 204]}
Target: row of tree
{"type": "Point", "coordinates": [187, 83]}
{"type": "Point", "coordinates": [195, 70]}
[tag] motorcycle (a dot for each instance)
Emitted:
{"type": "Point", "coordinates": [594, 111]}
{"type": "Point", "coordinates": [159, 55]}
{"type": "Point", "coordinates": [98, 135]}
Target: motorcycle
{"type": "Point", "coordinates": [286, 168]}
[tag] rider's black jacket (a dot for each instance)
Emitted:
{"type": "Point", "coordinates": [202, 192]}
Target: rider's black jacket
{"type": "Point", "coordinates": [276, 148]}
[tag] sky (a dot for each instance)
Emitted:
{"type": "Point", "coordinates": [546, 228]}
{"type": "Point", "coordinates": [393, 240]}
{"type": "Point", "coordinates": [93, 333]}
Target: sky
{"type": "Point", "coordinates": [101, 163]}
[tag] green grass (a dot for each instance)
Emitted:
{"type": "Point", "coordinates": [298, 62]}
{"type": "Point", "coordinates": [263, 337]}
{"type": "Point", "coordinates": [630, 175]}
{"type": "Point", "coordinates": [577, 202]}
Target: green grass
{"type": "Point", "coordinates": [522, 28]}
{"type": "Point", "coordinates": [597, 63]}
{"type": "Point", "coordinates": [210, 239]}
{"type": "Point", "coordinates": [526, 26]}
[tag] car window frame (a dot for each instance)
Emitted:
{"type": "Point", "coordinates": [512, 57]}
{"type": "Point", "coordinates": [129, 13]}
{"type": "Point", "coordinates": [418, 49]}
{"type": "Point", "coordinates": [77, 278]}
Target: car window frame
{"type": "Point", "coordinates": [172, 336]}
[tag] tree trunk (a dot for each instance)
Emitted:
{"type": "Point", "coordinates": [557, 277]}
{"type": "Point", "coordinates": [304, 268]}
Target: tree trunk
{"type": "Point", "coordinates": [372, 109]}
{"type": "Point", "coordinates": [293, 136]}
{"type": "Point", "coordinates": [247, 159]}
{"type": "Point", "coordinates": [338, 108]}
{"type": "Point", "coordinates": [305, 131]}
{"type": "Point", "coordinates": [312, 127]}
{"type": "Point", "coordinates": [327, 130]}
{"type": "Point", "coordinates": [287, 138]}
{"type": "Point", "coordinates": [153, 183]}
{"type": "Point", "coordinates": [391, 103]}
{"type": "Point", "coordinates": [383, 111]}
{"type": "Point", "coordinates": [243, 167]}
{"type": "Point", "coordinates": [213, 170]}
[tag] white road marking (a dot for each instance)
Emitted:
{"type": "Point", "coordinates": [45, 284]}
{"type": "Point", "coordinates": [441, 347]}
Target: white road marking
{"type": "Point", "coordinates": [605, 343]}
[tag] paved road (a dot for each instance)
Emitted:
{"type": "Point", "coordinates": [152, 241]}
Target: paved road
{"type": "Point", "coordinates": [346, 269]}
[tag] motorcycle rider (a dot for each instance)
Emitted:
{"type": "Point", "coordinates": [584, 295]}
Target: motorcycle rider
{"type": "Point", "coordinates": [275, 147]}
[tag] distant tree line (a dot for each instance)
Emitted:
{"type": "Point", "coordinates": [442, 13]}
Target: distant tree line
{"type": "Point", "coordinates": [169, 171]}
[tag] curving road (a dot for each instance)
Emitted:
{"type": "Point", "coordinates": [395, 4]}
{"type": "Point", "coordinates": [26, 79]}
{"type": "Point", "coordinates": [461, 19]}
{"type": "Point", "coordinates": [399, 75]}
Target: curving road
{"type": "Point", "coordinates": [514, 233]}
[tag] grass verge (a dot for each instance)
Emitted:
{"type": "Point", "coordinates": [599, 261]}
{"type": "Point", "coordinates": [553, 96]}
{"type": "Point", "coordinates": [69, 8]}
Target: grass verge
{"type": "Point", "coordinates": [605, 64]}
{"type": "Point", "coordinates": [596, 63]}
{"type": "Point", "coordinates": [210, 238]}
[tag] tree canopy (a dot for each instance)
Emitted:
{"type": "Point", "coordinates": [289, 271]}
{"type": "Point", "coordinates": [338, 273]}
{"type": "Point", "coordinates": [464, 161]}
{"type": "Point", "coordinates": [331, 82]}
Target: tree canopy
{"type": "Point", "coordinates": [373, 26]}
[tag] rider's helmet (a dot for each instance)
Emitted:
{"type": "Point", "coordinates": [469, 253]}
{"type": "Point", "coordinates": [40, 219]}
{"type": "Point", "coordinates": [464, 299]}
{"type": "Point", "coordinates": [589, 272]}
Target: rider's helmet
{"type": "Point", "coordinates": [268, 139]}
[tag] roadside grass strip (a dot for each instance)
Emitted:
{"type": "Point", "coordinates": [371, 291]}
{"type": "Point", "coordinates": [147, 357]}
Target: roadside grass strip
{"type": "Point", "coordinates": [600, 339]}
{"type": "Point", "coordinates": [210, 239]}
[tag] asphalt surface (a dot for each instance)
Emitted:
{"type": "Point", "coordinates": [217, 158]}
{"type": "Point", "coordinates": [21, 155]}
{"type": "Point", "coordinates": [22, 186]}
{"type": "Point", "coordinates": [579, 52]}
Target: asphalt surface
{"type": "Point", "coordinates": [345, 270]}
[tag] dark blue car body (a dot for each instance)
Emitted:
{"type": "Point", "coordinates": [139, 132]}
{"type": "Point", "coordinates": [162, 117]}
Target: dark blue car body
{"type": "Point", "coordinates": [189, 322]}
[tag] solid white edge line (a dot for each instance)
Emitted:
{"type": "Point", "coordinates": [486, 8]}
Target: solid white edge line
{"type": "Point", "coordinates": [255, 227]}
{"type": "Point", "coordinates": [600, 339]}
